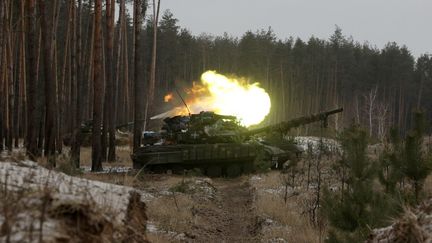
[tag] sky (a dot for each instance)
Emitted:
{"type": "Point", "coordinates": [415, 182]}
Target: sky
{"type": "Point", "coordinates": [407, 22]}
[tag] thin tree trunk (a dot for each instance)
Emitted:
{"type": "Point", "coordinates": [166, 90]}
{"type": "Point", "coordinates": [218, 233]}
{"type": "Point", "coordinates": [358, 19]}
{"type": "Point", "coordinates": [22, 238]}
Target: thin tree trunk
{"type": "Point", "coordinates": [32, 121]}
{"type": "Point", "coordinates": [98, 90]}
{"type": "Point", "coordinates": [73, 71]}
{"type": "Point", "coordinates": [23, 81]}
{"type": "Point", "coordinates": [56, 13]}
{"type": "Point", "coordinates": [138, 82]}
{"type": "Point", "coordinates": [76, 141]}
{"type": "Point", "coordinates": [2, 93]}
{"type": "Point", "coordinates": [104, 136]}
{"type": "Point", "coordinates": [62, 85]}
{"type": "Point", "coordinates": [90, 73]}
{"type": "Point", "coordinates": [40, 96]}
{"type": "Point", "coordinates": [126, 82]}
{"type": "Point", "coordinates": [119, 89]}
{"type": "Point", "coordinates": [9, 75]}
{"type": "Point", "coordinates": [50, 85]}
{"type": "Point", "coordinates": [152, 83]}
{"type": "Point", "coordinates": [110, 96]}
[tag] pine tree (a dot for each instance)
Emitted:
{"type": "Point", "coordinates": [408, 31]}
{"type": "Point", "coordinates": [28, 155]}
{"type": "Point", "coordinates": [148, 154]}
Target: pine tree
{"type": "Point", "coordinates": [360, 207]}
{"type": "Point", "coordinates": [417, 165]}
{"type": "Point", "coordinates": [390, 171]}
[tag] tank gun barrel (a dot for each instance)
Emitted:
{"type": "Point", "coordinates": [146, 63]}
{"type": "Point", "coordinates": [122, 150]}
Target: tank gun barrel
{"type": "Point", "coordinates": [284, 127]}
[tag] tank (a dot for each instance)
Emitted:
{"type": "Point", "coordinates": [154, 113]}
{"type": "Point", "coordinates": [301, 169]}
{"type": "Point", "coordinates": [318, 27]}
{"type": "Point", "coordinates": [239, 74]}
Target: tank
{"type": "Point", "coordinates": [218, 145]}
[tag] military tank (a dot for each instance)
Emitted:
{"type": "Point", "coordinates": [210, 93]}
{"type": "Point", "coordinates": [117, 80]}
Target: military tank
{"type": "Point", "coordinates": [218, 145]}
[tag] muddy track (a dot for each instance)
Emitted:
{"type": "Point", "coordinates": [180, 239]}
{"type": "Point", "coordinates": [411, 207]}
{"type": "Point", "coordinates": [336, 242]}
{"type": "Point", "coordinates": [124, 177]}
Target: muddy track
{"type": "Point", "coordinates": [230, 217]}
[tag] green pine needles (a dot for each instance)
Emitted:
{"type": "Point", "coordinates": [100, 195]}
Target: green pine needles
{"type": "Point", "coordinates": [359, 206]}
{"type": "Point", "coordinates": [418, 163]}
{"type": "Point", "coordinates": [374, 191]}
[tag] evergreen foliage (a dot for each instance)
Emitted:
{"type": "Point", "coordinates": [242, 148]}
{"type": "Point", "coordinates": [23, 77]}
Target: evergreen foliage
{"type": "Point", "coordinates": [391, 163]}
{"type": "Point", "coordinates": [360, 206]}
{"type": "Point", "coordinates": [406, 160]}
{"type": "Point", "coordinates": [417, 164]}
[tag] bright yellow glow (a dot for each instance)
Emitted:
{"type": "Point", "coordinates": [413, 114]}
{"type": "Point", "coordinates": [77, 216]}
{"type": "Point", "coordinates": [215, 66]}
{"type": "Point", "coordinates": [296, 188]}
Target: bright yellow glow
{"type": "Point", "coordinates": [229, 96]}
{"type": "Point", "coordinates": [222, 95]}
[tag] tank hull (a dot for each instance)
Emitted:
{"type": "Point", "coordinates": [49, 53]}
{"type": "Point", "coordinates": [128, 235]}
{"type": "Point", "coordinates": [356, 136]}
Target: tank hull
{"type": "Point", "coordinates": [205, 157]}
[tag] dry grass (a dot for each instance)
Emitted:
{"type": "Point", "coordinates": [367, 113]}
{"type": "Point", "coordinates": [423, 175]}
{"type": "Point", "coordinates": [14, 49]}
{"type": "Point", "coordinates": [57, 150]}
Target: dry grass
{"type": "Point", "coordinates": [289, 220]}
{"type": "Point", "coordinates": [289, 224]}
{"type": "Point", "coordinates": [123, 156]}
{"type": "Point", "coordinates": [427, 187]}
{"type": "Point", "coordinates": [173, 213]}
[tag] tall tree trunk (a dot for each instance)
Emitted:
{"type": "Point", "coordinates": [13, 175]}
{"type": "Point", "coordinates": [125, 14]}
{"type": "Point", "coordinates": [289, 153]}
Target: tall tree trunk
{"type": "Point", "coordinates": [22, 104]}
{"type": "Point", "coordinates": [73, 71]}
{"type": "Point", "coordinates": [62, 83]}
{"type": "Point", "coordinates": [152, 82]}
{"type": "Point", "coordinates": [76, 141]}
{"type": "Point", "coordinates": [2, 93]}
{"type": "Point", "coordinates": [138, 81]}
{"type": "Point", "coordinates": [98, 90]}
{"type": "Point", "coordinates": [50, 85]}
{"type": "Point", "coordinates": [9, 80]}
{"type": "Point", "coordinates": [32, 121]}
{"type": "Point", "coordinates": [90, 77]}
{"type": "Point", "coordinates": [54, 58]}
{"type": "Point", "coordinates": [119, 88]}
{"type": "Point", "coordinates": [40, 96]}
{"type": "Point", "coordinates": [104, 136]}
{"type": "Point", "coordinates": [126, 82]}
{"type": "Point", "coordinates": [110, 96]}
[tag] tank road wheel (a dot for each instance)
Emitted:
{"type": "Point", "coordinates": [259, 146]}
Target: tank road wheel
{"type": "Point", "coordinates": [248, 167]}
{"type": "Point", "coordinates": [214, 171]}
{"type": "Point", "coordinates": [178, 170]}
{"type": "Point", "coordinates": [233, 170]}
{"type": "Point", "coordinates": [158, 169]}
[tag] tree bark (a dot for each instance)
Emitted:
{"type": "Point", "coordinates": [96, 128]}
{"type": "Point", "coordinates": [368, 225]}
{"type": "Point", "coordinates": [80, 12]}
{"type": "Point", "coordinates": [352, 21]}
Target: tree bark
{"type": "Point", "coordinates": [138, 81]}
{"type": "Point", "coordinates": [9, 78]}
{"type": "Point", "coordinates": [2, 93]}
{"type": "Point", "coordinates": [32, 121]}
{"type": "Point", "coordinates": [110, 96]}
{"type": "Point", "coordinates": [76, 141]}
{"type": "Point", "coordinates": [50, 85]}
{"type": "Point", "coordinates": [152, 83]}
{"type": "Point", "coordinates": [22, 104]}
{"type": "Point", "coordinates": [119, 88]}
{"type": "Point", "coordinates": [98, 90]}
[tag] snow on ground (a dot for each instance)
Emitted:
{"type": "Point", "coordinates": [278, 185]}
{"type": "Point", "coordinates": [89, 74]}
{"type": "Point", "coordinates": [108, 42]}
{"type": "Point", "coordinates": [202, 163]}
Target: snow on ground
{"type": "Point", "coordinates": [30, 175]}
{"type": "Point", "coordinates": [108, 169]}
{"type": "Point", "coordinates": [103, 204]}
{"type": "Point", "coordinates": [415, 225]}
{"type": "Point", "coordinates": [314, 142]}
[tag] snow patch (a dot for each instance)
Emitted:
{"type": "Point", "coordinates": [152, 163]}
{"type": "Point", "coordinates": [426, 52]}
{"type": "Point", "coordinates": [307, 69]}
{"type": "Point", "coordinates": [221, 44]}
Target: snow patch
{"type": "Point", "coordinates": [314, 142]}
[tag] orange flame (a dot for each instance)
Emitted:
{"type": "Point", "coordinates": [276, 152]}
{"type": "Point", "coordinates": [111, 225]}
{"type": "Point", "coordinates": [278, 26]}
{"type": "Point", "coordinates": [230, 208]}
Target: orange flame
{"type": "Point", "coordinates": [225, 96]}
{"type": "Point", "coordinates": [168, 97]}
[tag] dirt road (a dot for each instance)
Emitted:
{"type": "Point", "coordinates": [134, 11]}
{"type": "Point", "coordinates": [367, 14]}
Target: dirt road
{"type": "Point", "coordinates": [229, 218]}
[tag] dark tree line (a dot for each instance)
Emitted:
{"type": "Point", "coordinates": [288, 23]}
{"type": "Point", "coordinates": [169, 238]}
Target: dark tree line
{"type": "Point", "coordinates": [377, 88]}
{"type": "Point", "coordinates": [66, 62]}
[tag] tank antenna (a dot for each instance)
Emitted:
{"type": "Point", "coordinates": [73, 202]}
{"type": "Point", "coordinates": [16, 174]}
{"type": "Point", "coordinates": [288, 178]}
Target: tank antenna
{"type": "Point", "coordinates": [178, 93]}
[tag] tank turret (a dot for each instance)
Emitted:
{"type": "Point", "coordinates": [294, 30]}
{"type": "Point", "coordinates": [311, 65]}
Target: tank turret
{"type": "Point", "coordinates": [209, 127]}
